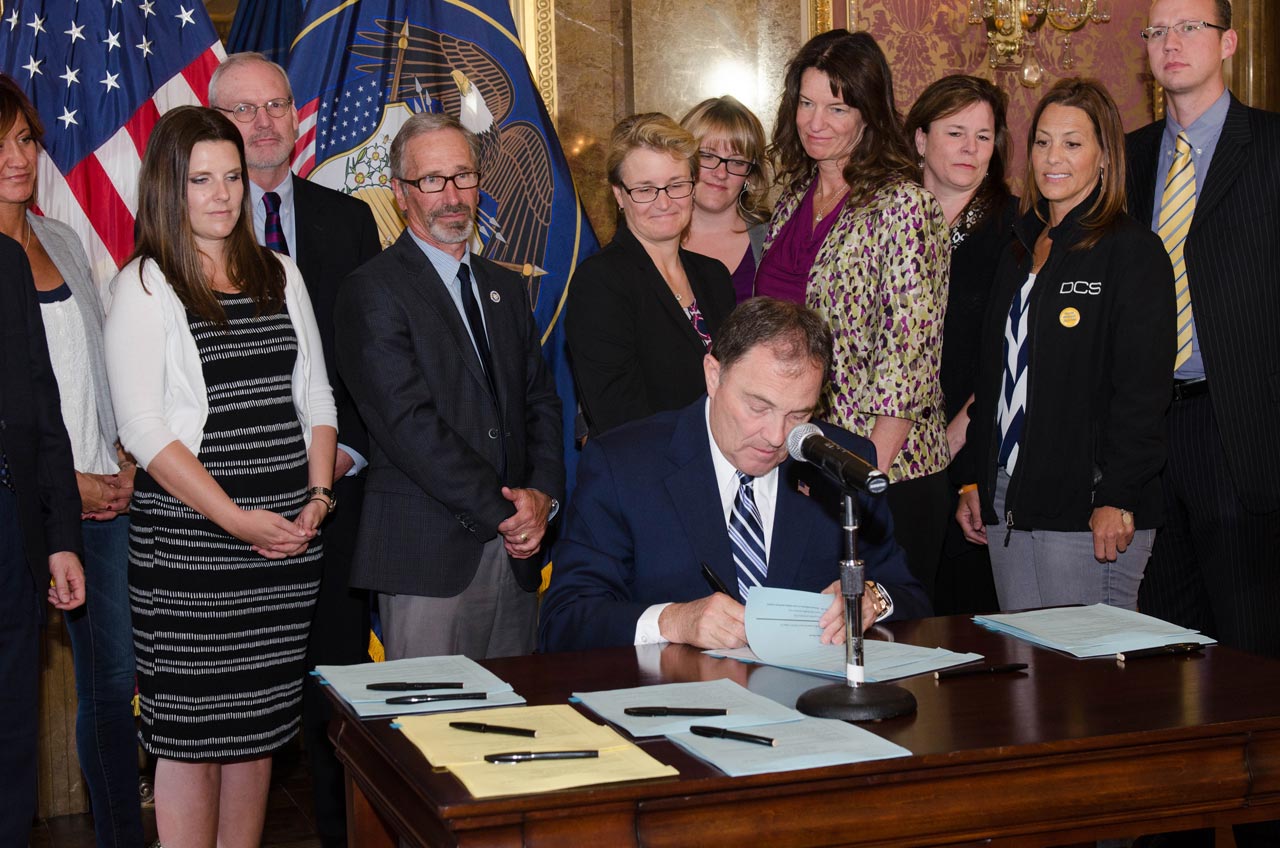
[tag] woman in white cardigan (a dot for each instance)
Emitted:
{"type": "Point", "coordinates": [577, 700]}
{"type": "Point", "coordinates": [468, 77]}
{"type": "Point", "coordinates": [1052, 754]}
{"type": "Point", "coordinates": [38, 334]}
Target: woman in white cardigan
{"type": "Point", "coordinates": [220, 393]}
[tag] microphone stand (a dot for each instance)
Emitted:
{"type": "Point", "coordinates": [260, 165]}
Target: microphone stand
{"type": "Point", "coordinates": [855, 699]}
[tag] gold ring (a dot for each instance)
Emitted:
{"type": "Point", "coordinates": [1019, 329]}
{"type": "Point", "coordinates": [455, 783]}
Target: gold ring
{"type": "Point", "coordinates": [524, 537]}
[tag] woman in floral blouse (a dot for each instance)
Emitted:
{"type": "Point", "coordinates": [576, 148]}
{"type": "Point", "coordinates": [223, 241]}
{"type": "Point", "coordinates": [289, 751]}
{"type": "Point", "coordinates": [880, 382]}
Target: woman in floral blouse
{"type": "Point", "coordinates": [856, 237]}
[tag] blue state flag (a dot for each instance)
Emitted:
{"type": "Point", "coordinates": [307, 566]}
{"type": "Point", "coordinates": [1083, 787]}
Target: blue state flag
{"type": "Point", "coordinates": [265, 26]}
{"type": "Point", "coordinates": [360, 70]}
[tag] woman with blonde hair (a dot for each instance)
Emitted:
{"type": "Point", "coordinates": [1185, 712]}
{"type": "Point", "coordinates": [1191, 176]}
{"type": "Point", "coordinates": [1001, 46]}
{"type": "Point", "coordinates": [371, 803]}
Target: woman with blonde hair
{"type": "Point", "coordinates": [730, 203]}
{"type": "Point", "coordinates": [642, 312]}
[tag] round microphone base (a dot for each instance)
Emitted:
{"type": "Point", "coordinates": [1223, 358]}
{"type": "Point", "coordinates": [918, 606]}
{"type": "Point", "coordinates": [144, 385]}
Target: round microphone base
{"type": "Point", "coordinates": [868, 702]}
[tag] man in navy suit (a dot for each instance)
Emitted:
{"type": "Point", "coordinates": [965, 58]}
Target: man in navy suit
{"type": "Point", "coordinates": [1214, 566]}
{"type": "Point", "coordinates": [659, 498]}
{"type": "Point", "coordinates": [39, 530]}
{"type": "Point", "coordinates": [329, 234]}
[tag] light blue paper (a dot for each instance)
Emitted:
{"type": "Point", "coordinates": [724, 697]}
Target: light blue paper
{"type": "Point", "coordinates": [782, 630]}
{"type": "Point", "coordinates": [351, 682]}
{"type": "Point", "coordinates": [807, 743]}
{"type": "Point", "coordinates": [1092, 631]}
{"type": "Point", "coordinates": [745, 708]}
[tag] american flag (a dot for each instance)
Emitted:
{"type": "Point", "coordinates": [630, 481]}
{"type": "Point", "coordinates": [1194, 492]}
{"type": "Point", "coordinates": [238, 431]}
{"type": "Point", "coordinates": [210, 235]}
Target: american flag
{"type": "Point", "coordinates": [101, 72]}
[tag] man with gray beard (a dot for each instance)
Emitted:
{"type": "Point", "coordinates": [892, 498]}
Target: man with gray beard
{"type": "Point", "coordinates": [440, 350]}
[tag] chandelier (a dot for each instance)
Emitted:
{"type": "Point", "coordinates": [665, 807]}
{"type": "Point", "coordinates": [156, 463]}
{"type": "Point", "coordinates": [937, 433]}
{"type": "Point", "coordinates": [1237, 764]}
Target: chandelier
{"type": "Point", "coordinates": [1011, 25]}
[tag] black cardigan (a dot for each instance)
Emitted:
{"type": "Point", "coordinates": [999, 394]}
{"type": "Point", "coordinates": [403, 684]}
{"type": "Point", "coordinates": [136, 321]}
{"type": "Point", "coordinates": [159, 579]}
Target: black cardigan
{"type": "Point", "coordinates": [632, 348]}
{"type": "Point", "coordinates": [1101, 338]}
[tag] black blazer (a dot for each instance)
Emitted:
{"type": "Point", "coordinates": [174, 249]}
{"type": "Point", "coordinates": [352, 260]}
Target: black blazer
{"type": "Point", "coordinates": [1233, 267]}
{"type": "Point", "coordinates": [437, 438]}
{"type": "Point", "coordinates": [633, 350]}
{"type": "Point", "coordinates": [336, 234]}
{"type": "Point", "coordinates": [31, 429]}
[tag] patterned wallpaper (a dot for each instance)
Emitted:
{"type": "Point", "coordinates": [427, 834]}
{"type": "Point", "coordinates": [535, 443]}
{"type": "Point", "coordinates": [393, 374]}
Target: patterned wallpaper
{"type": "Point", "coordinates": [928, 39]}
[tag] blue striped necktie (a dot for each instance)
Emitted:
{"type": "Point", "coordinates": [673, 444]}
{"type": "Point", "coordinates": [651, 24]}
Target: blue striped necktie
{"type": "Point", "coordinates": [746, 535]}
{"type": "Point", "coordinates": [1013, 398]}
{"type": "Point", "coordinates": [272, 232]}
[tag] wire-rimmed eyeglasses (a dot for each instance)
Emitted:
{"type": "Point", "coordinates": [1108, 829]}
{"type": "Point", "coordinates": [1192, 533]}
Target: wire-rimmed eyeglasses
{"type": "Point", "coordinates": [1182, 28]}
{"type": "Point", "coordinates": [246, 112]}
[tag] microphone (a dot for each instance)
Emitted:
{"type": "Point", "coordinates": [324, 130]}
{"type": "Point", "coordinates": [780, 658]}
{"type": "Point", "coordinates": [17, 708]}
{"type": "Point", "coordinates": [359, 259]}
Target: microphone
{"type": "Point", "coordinates": [806, 443]}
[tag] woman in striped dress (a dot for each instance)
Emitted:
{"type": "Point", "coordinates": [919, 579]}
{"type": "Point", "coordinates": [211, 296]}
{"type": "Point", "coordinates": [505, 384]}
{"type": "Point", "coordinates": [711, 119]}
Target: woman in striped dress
{"type": "Point", "coordinates": [219, 385]}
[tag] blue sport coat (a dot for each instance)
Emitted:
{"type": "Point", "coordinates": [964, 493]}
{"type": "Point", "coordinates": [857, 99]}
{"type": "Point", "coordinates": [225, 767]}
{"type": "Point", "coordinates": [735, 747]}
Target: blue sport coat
{"type": "Point", "coordinates": [646, 513]}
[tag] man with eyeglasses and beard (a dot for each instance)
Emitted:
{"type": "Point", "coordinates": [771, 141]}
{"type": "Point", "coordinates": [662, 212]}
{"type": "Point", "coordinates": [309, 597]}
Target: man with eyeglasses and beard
{"type": "Point", "coordinates": [439, 347]}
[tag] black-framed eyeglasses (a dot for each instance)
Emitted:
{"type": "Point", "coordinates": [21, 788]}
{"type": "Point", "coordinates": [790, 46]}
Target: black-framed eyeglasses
{"type": "Point", "coordinates": [647, 194]}
{"type": "Point", "coordinates": [1182, 28]}
{"type": "Point", "coordinates": [246, 112]}
{"type": "Point", "coordinates": [435, 183]}
{"type": "Point", "coordinates": [738, 167]}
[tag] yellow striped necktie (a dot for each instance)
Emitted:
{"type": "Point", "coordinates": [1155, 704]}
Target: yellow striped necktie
{"type": "Point", "coordinates": [1177, 207]}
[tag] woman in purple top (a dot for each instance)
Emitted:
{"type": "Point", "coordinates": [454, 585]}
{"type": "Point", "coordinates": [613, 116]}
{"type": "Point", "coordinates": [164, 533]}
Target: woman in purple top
{"type": "Point", "coordinates": [730, 203]}
{"type": "Point", "coordinates": [856, 237]}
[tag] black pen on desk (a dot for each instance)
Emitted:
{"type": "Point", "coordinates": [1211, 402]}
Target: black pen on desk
{"type": "Point", "coordinates": [449, 696]}
{"type": "Point", "coordinates": [947, 674]}
{"type": "Point", "coordinates": [726, 733]}
{"type": "Point", "coordinates": [502, 729]}
{"type": "Point", "coordinates": [713, 580]}
{"type": "Point", "coordinates": [410, 686]}
{"type": "Point", "coordinates": [1174, 650]}
{"type": "Point", "coordinates": [656, 712]}
{"type": "Point", "coordinates": [530, 756]}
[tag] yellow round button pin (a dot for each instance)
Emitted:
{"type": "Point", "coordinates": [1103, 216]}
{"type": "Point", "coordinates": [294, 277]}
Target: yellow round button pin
{"type": "Point", "coordinates": [1069, 317]}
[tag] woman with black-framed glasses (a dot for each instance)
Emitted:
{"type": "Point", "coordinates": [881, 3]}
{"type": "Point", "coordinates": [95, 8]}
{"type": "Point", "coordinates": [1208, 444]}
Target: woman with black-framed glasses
{"type": "Point", "coordinates": [730, 204]}
{"type": "Point", "coordinates": [642, 312]}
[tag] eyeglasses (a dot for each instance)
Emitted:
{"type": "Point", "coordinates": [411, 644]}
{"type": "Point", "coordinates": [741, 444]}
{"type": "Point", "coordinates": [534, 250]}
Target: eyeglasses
{"type": "Point", "coordinates": [434, 183]}
{"type": "Point", "coordinates": [648, 194]}
{"type": "Point", "coordinates": [738, 167]}
{"type": "Point", "coordinates": [1182, 28]}
{"type": "Point", "coordinates": [246, 112]}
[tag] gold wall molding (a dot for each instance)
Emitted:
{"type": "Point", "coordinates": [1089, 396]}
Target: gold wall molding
{"type": "Point", "coordinates": [821, 18]}
{"type": "Point", "coordinates": [536, 23]}
{"type": "Point", "coordinates": [824, 15]}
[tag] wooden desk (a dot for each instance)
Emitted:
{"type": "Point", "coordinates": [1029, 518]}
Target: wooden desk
{"type": "Point", "coordinates": [1071, 750]}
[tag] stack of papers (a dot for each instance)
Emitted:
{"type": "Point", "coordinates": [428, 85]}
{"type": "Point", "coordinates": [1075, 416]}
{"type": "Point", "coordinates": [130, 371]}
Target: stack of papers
{"type": "Point", "coordinates": [1094, 631]}
{"type": "Point", "coordinates": [799, 742]}
{"type": "Point", "coordinates": [782, 630]}
{"type": "Point", "coordinates": [742, 707]}
{"type": "Point", "coordinates": [559, 728]}
{"type": "Point", "coordinates": [807, 743]}
{"type": "Point", "coordinates": [352, 682]}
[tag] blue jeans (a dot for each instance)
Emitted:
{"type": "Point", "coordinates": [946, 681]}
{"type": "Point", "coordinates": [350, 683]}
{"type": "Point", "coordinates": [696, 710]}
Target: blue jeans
{"type": "Point", "coordinates": [102, 647]}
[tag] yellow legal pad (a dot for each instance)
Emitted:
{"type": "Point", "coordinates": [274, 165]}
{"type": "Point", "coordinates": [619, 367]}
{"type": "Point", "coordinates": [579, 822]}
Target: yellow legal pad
{"type": "Point", "coordinates": [560, 727]}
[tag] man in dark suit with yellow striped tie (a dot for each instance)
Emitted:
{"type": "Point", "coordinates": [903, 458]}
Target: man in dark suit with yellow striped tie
{"type": "Point", "coordinates": [1208, 179]}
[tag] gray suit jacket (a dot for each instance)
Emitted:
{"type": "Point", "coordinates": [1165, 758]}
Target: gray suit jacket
{"type": "Point", "coordinates": [437, 437]}
{"type": "Point", "coordinates": [64, 248]}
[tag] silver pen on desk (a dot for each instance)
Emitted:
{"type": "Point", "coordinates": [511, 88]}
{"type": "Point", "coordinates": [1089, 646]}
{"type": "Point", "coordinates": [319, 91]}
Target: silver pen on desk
{"type": "Point", "coordinates": [530, 756]}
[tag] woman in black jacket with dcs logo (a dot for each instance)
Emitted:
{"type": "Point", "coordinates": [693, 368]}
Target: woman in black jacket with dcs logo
{"type": "Point", "coordinates": [1066, 433]}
